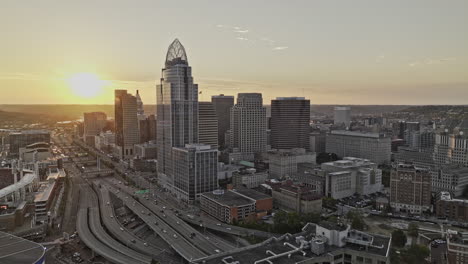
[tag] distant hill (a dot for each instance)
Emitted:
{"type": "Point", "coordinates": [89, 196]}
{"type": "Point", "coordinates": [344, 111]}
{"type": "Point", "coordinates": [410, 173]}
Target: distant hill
{"type": "Point", "coordinates": [27, 118]}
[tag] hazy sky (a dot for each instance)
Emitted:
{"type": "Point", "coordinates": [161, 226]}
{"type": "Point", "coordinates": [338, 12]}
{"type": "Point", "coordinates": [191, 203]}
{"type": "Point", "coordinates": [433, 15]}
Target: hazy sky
{"type": "Point", "coordinates": [332, 52]}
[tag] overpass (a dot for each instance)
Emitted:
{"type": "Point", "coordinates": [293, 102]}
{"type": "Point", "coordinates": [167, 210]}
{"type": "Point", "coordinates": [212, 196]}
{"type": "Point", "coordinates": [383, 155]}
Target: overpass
{"type": "Point", "coordinates": [111, 249]}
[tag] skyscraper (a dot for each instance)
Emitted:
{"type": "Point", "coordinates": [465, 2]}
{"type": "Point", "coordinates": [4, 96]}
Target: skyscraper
{"type": "Point", "coordinates": [126, 123]}
{"type": "Point", "coordinates": [177, 131]}
{"type": "Point", "coordinates": [290, 118]}
{"type": "Point", "coordinates": [222, 105]}
{"type": "Point", "coordinates": [140, 109]}
{"type": "Point", "coordinates": [207, 125]}
{"type": "Point", "coordinates": [248, 126]}
{"type": "Point", "coordinates": [342, 115]}
{"type": "Point", "coordinates": [94, 123]}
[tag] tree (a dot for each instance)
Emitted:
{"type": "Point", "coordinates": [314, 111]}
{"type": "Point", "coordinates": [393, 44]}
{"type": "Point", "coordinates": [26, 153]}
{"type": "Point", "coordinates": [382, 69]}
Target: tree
{"type": "Point", "coordinates": [415, 254]}
{"type": "Point", "coordinates": [413, 229]}
{"type": "Point", "coordinates": [310, 218]}
{"type": "Point", "coordinates": [357, 221]}
{"type": "Point", "coordinates": [326, 157]}
{"type": "Point", "coordinates": [399, 238]}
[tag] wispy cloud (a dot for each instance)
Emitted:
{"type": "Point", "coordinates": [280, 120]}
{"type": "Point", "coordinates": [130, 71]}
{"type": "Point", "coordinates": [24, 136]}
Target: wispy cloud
{"type": "Point", "coordinates": [280, 48]}
{"type": "Point", "coordinates": [430, 61]}
{"type": "Point", "coordinates": [380, 58]}
{"type": "Point", "coordinates": [244, 34]}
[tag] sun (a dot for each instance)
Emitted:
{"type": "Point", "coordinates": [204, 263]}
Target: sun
{"type": "Point", "coordinates": [86, 85]}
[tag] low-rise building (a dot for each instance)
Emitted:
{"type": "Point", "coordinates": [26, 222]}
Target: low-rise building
{"type": "Point", "coordinates": [449, 178]}
{"type": "Point", "coordinates": [344, 178]}
{"type": "Point", "coordinates": [249, 178]}
{"type": "Point", "coordinates": [283, 163]}
{"type": "Point", "coordinates": [316, 244]}
{"type": "Point", "coordinates": [300, 199]}
{"type": "Point", "coordinates": [450, 208]}
{"type": "Point", "coordinates": [146, 150]}
{"type": "Point", "coordinates": [457, 247]}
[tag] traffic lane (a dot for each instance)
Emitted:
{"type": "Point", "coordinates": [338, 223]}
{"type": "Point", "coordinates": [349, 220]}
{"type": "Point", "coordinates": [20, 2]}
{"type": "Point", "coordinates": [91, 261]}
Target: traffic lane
{"type": "Point", "coordinates": [104, 237]}
{"type": "Point", "coordinates": [171, 236]}
{"type": "Point", "coordinates": [178, 224]}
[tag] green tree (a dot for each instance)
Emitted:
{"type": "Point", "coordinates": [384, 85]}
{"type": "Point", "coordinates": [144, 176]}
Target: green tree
{"type": "Point", "coordinates": [310, 218]}
{"type": "Point", "coordinates": [357, 221]}
{"type": "Point", "coordinates": [415, 254]}
{"type": "Point", "coordinates": [399, 238]}
{"type": "Point", "coordinates": [413, 229]}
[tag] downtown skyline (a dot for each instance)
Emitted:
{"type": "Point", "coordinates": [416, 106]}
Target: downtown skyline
{"type": "Point", "coordinates": [361, 53]}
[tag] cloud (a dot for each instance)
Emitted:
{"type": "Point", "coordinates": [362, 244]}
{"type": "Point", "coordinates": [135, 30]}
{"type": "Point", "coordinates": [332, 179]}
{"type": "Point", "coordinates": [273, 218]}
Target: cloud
{"type": "Point", "coordinates": [242, 38]}
{"type": "Point", "coordinates": [280, 48]}
{"type": "Point", "coordinates": [241, 31]}
{"type": "Point", "coordinates": [430, 61]}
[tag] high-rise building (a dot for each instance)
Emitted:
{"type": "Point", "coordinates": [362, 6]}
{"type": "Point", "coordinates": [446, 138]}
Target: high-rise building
{"type": "Point", "coordinates": [372, 146]}
{"type": "Point", "coordinates": [248, 126]}
{"type": "Point", "coordinates": [195, 171]}
{"type": "Point", "coordinates": [342, 115]}
{"type": "Point", "coordinates": [283, 163]}
{"type": "Point", "coordinates": [222, 105]}
{"type": "Point", "coordinates": [184, 167]}
{"type": "Point", "coordinates": [140, 109]}
{"type": "Point", "coordinates": [410, 188]}
{"type": "Point", "coordinates": [207, 125]}
{"type": "Point", "coordinates": [290, 123]}
{"type": "Point", "coordinates": [148, 129]}
{"type": "Point", "coordinates": [127, 133]}
{"type": "Point", "coordinates": [94, 124]}
{"type": "Point", "coordinates": [451, 148]}
{"type": "Point", "coordinates": [24, 138]}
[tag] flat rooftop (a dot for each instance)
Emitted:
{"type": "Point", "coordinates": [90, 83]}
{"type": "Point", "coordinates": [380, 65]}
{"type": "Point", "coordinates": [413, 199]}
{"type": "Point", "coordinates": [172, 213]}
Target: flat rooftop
{"type": "Point", "coordinates": [44, 192]}
{"type": "Point", "coordinates": [14, 249]}
{"type": "Point", "coordinates": [229, 198]}
{"type": "Point", "coordinates": [252, 194]}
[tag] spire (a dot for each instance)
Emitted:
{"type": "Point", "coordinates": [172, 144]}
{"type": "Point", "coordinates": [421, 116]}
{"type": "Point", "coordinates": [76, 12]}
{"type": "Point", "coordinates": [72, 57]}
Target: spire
{"type": "Point", "coordinates": [176, 54]}
{"type": "Point", "coordinates": [140, 110]}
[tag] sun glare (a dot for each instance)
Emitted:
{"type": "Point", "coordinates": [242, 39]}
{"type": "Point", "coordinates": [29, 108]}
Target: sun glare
{"type": "Point", "coordinates": [86, 85]}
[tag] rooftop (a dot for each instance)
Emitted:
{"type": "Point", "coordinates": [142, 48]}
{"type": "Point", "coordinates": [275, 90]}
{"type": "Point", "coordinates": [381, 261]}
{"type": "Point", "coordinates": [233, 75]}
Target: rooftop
{"type": "Point", "coordinates": [176, 54]}
{"type": "Point", "coordinates": [228, 198]}
{"type": "Point", "coordinates": [19, 250]}
{"type": "Point", "coordinates": [252, 194]}
{"type": "Point", "coordinates": [356, 134]}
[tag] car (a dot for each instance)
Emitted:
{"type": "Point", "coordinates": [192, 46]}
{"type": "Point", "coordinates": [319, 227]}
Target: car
{"type": "Point", "coordinates": [156, 223]}
{"type": "Point", "coordinates": [108, 203]}
{"type": "Point", "coordinates": [133, 241]}
{"type": "Point", "coordinates": [175, 236]}
{"type": "Point", "coordinates": [111, 216]}
{"type": "Point", "coordinates": [121, 229]}
{"type": "Point", "coordinates": [145, 244]}
{"type": "Point", "coordinates": [228, 228]}
{"type": "Point", "coordinates": [218, 224]}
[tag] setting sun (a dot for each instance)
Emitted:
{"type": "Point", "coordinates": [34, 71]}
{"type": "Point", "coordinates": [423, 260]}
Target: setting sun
{"type": "Point", "coordinates": [86, 85]}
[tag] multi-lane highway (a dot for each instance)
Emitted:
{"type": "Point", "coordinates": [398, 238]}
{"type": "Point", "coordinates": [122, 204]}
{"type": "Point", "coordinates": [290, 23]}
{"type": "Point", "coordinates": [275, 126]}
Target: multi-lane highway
{"type": "Point", "coordinates": [86, 235]}
{"type": "Point", "coordinates": [178, 242]}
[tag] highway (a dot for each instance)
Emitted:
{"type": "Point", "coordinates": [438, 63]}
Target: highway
{"type": "Point", "coordinates": [190, 233]}
{"type": "Point", "coordinates": [124, 235]}
{"type": "Point", "coordinates": [179, 243]}
{"type": "Point", "coordinates": [91, 241]}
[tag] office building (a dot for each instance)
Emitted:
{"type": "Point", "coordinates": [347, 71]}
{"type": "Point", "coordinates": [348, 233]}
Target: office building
{"type": "Point", "coordinates": [342, 116]}
{"type": "Point", "coordinates": [140, 108]}
{"type": "Point", "coordinates": [317, 142]}
{"type": "Point", "coordinates": [248, 126]}
{"type": "Point", "coordinates": [449, 178]}
{"type": "Point", "coordinates": [148, 129]}
{"type": "Point", "coordinates": [413, 155]}
{"type": "Point", "coordinates": [127, 133]}
{"type": "Point", "coordinates": [222, 105]}
{"type": "Point", "coordinates": [290, 123]}
{"type": "Point", "coordinates": [410, 189]}
{"type": "Point", "coordinates": [372, 146]}
{"type": "Point", "coordinates": [283, 163]}
{"type": "Point", "coordinates": [146, 150]}
{"type": "Point", "coordinates": [344, 178]}
{"type": "Point", "coordinates": [457, 247]}
{"type": "Point", "coordinates": [177, 111]}
{"type": "Point", "coordinates": [24, 138]}
{"type": "Point", "coordinates": [451, 148]}
{"type": "Point", "coordinates": [207, 125]}
{"type": "Point", "coordinates": [94, 124]}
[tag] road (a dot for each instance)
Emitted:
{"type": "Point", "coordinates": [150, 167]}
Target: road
{"type": "Point", "coordinates": [90, 239]}
{"type": "Point", "coordinates": [179, 243]}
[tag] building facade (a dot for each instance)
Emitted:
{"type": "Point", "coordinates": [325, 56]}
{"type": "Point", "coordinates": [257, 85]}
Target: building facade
{"type": "Point", "coordinates": [207, 125]}
{"type": "Point", "coordinates": [344, 178]}
{"type": "Point", "coordinates": [177, 111]}
{"type": "Point", "coordinates": [222, 105]}
{"type": "Point", "coordinates": [449, 178]}
{"type": "Point", "coordinates": [372, 146]}
{"type": "Point", "coordinates": [94, 124]}
{"type": "Point", "coordinates": [283, 163]}
{"type": "Point", "coordinates": [27, 137]}
{"type": "Point", "coordinates": [248, 126]}
{"type": "Point", "coordinates": [249, 178]}
{"type": "Point", "coordinates": [127, 133]}
{"type": "Point", "coordinates": [195, 171]}
{"type": "Point", "coordinates": [410, 189]}
{"type": "Point", "coordinates": [450, 208]}
{"type": "Point", "coordinates": [342, 116]}
{"type": "Point", "coordinates": [290, 123]}
{"type": "Point", "coordinates": [298, 199]}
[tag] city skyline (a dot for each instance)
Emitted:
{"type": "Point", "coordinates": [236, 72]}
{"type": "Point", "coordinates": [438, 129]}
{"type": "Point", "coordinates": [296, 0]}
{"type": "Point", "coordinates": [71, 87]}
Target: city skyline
{"type": "Point", "coordinates": [360, 53]}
